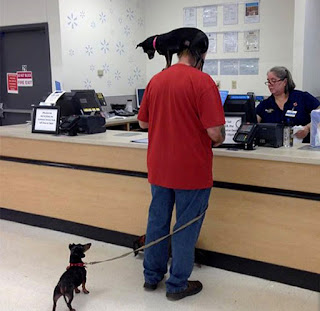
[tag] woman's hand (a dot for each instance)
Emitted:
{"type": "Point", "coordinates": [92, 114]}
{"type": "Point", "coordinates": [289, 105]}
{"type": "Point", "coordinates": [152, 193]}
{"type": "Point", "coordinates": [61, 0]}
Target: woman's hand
{"type": "Point", "coordinates": [303, 133]}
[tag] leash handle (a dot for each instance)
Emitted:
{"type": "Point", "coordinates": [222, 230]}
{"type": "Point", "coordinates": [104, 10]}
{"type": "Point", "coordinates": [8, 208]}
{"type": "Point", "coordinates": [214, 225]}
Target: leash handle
{"type": "Point", "coordinates": [151, 243]}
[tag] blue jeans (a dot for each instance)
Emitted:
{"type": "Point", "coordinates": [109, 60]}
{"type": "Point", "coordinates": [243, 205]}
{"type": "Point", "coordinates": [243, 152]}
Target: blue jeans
{"type": "Point", "coordinates": [189, 204]}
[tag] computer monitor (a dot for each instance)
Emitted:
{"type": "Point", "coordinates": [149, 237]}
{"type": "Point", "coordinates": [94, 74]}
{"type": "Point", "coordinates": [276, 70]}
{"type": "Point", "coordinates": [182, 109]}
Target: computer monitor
{"type": "Point", "coordinates": [139, 95]}
{"type": "Point", "coordinates": [88, 101]}
{"type": "Point", "coordinates": [223, 96]}
{"type": "Point", "coordinates": [242, 103]}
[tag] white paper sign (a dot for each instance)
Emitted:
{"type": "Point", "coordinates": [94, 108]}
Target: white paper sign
{"type": "Point", "coordinates": [252, 13]}
{"type": "Point", "coordinates": [231, 127]}
{"type": "Point", "coordinates": [230, 14]}
{"type": "Point", "coordinates": [46, 120]}
{"type": "Point", "coordinates": [210, 16]}
{"type": "Point", "coordinates": [230, 42]}
{"type": "Point", "coordinates": [190, 17]}
{"type": "Point", "coordinates": [251, 40]}
{"type": "Point", "coordinates": [212, 36]}
{"type": "Point", "coordinates": [25, 78]}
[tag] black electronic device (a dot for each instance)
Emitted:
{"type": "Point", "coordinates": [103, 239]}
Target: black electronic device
{"type": "Point", "coordinates": [70, 125]}
{"type": "Point", "coordinates": [101, 99]}
{"type": "Point", "coordinates": [86, 124]}
{"type": "Point", "coordinates": [69, 105]}
{"type": "Point", "coordinates": [245, 135]}
{"type": "Point", "coordinates": [270, 135]}
{"type": "Point", "coordinates": [91, 124]}
{"type": "Point", "coordinates": [88, 101]}
{"type": "Point", "coordinates": [242, 103]}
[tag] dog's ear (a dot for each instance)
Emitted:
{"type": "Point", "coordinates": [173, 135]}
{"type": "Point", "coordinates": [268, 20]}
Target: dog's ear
{"type": "Point", "coordinates": [71, 246]}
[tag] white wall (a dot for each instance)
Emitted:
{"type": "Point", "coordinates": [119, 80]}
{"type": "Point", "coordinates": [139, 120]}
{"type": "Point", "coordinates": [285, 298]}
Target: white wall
{"type": "Point", "coordinates": [311, 59]}
{"type": "Point", "coordinates": [102, 35]}
{"type": "Point", "coordinates": [276, 37]}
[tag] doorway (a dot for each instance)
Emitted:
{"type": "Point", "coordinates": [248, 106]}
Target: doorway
{"type": "Point", "coordinates": [24, 48]}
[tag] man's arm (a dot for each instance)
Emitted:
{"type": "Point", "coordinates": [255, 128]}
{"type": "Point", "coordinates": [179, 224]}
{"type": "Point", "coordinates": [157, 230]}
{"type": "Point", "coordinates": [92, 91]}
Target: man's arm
{"type": "Point", "coordinates": [143, 125]}
{"type": "Point", "coordinates": [217, 135]}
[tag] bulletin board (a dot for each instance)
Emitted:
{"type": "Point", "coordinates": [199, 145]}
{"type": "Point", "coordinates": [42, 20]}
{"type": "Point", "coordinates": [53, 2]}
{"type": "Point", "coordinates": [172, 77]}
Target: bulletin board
{"type": "Point", "coordinates": [234, 36]}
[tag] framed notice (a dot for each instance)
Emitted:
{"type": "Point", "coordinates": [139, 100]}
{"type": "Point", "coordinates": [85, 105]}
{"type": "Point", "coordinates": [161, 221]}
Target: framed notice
{"type": "Point", "coordinates": [46, 119]}
{"type": "Point", "coordinates": [233, 122]}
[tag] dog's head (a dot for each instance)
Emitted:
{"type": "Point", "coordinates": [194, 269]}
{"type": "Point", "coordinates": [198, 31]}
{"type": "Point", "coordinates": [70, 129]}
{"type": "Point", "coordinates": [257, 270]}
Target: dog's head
{"type": "Point", "coordinates": [147, 46]}
{"type": "Point", "coordinates": [79, 249]}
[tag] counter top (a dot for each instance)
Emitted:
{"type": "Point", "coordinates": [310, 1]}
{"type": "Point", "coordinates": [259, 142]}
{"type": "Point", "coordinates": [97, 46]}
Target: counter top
{"type": "Point", "coordinates": [300, 153]}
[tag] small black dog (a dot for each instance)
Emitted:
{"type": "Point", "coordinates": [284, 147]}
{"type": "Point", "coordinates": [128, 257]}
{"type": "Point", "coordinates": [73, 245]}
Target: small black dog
{"type": "Point", "coordinates": [141, 241]}
{"type": "Point", "coordinates": [176, 41]}
{"type": "Point", "coordinates": [74, 276]}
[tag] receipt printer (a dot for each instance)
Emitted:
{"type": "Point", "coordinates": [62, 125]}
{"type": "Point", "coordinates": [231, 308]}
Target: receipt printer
{"type": "Point", "coordinates": [269, 135]}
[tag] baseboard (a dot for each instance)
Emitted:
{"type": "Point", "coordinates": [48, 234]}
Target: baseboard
{"type": "Point", "coordinates": [281, 274]}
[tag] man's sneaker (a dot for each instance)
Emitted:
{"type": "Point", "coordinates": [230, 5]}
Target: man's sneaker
{"type": "Point", "coordinates": [149, 286]}
{"type": "Point", "coordinates": [194, 287]}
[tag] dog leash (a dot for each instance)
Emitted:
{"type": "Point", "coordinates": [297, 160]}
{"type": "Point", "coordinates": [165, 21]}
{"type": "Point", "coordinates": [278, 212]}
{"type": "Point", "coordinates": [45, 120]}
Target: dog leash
{"type": "Point", "coordinates": [149, 244]}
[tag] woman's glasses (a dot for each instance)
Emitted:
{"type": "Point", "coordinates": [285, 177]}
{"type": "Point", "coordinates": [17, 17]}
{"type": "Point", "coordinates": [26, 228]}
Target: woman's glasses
{"type": "Point", "coordinates": [271, 82]}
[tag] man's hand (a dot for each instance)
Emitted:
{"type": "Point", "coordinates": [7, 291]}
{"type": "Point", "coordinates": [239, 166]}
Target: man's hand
{"type": "Point", "coordinates": [217, 135]}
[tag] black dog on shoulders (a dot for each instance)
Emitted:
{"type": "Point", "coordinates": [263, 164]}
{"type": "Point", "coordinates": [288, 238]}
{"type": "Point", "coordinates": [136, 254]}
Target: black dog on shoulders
{"type": "Point", "coordinates": [75, 275]}
{"type": "Point", "coordinates": [176, 41]}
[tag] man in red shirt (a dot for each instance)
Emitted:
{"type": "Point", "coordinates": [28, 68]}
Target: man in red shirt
{"type": "Point", "coordinates": [182, 110]}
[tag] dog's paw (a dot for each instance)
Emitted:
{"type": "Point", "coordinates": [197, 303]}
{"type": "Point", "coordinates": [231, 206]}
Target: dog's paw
{"type": "Point", "coordinates": [77, 290]}
{"type": "Point", "coordinates": [85, 291]}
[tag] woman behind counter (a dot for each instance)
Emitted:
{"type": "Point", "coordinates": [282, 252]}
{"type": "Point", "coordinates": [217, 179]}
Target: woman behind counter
{"type": "Point", "coordinates": [286, 105]}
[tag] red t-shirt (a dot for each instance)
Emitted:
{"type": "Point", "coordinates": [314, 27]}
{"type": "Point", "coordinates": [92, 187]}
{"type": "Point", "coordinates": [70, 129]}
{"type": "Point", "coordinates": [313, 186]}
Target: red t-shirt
{"type": "Point", "coordinates": [179, 104]}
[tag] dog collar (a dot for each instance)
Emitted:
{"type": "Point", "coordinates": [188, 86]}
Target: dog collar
{"type": "Point", "coordinates": [154, 42]}
{"type": "Point", "coordinates": [81, 264]}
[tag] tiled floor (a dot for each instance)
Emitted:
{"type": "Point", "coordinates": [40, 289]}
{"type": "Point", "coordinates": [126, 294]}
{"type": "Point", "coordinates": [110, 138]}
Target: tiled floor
{"type": "Point", "coordinates": [33, 259]}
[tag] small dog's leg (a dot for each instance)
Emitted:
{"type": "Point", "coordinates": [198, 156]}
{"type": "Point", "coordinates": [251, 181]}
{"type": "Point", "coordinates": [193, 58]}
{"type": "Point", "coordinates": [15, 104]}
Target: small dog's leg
{"type": "Point", "coordinates": [56, 295]}
{"type": "Point", "coordinates": [70, 296]}
{"type": "Point", "coordinates": [77, 290]}
{"type": "Point", "coordinates": [168, 59]}
{"type": "Point", "coordinates": [84, 288]}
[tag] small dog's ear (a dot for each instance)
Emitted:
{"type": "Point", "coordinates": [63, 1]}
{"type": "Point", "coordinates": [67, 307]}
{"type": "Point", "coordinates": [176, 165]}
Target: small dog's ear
{"type": "Point", "coordinates": [70, 246]}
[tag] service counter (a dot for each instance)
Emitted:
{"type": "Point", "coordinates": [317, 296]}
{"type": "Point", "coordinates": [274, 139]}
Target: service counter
{"type": "Point", "coordinates": [264, 207]}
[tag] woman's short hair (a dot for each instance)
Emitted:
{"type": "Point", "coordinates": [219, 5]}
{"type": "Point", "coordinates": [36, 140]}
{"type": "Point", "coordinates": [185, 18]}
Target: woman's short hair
{"type": "Point", "coordinates": [283, 73]}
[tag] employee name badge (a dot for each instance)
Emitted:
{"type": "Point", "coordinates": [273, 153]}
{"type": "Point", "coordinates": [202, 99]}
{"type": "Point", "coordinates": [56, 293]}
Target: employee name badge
{"type": "Point", "coordinates": [291, 113]}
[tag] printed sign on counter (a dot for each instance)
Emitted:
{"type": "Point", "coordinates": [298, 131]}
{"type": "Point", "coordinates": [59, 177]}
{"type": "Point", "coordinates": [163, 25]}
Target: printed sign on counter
{"type": "Point", "coordinates": [12, 83]}
{"type": "Point", "coordinates": [46, 119]}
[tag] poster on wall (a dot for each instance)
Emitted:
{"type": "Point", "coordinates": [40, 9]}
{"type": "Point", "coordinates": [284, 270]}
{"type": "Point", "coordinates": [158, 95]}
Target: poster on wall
{"type": "Point", "coordinates": [249, 66]}
{"type": "Point", "coordinates": [210, 14]}
{"type": "Point", "coordinates": [252, 13]}
{"type": "Point", "coordinates": [212, 36]}
{"type": "Point", "coordinates": [230, 42]}
{"type": "Point", "coordinates": [25, 78]}
{"type": "Point", "coordinates": [251, 40]}
{"type": "Point", "coordinates": [211, 67]}
{"type": "Point", "coordinates": [190, 17]}
{"type": "Point", "coordinates": [229, 67]}
{"type": "Point", "coordinates": [230, 14]}
{"type": "Point", "coordinates": [12, 83]}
